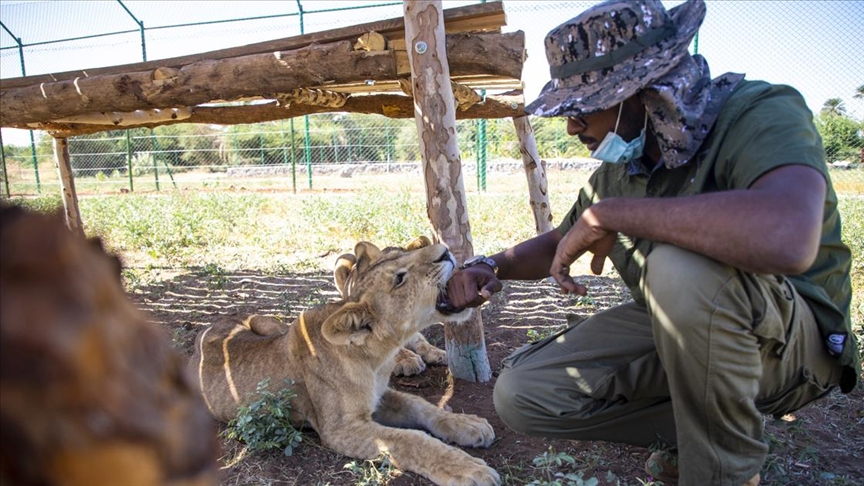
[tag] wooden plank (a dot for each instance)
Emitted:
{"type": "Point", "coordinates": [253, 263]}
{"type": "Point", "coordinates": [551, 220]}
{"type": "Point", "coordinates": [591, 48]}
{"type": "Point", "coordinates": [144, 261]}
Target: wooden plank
{"type": "Point", "coordinates": [389, 105]}
{"type": "Point", "coordinates": [474, 82]}
{"type": "Point", "coordinates": [484, 16]}
{"type": "Point", "coordinates": [313, 66]}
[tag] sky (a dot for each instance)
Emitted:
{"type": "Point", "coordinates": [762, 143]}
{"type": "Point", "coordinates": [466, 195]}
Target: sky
{"type": "Point", "coordinates": [813, 45]}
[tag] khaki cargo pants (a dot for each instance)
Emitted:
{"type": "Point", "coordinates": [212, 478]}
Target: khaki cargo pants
{"type": "Point", "coordinates": [714, 350]}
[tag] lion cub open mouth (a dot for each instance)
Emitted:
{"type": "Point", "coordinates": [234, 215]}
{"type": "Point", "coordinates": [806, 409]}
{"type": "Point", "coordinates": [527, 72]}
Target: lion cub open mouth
{"type": "Point", "coordinates": [340, 357]}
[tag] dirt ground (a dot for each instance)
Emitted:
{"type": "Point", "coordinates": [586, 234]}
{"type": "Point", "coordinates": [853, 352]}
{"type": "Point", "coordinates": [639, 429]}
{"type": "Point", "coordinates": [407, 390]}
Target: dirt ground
{"type": "Point", "coordinates": [820, 445]}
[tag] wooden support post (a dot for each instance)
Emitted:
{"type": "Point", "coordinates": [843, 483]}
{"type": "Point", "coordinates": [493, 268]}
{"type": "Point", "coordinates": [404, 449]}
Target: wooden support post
{"type": "Point", "coordinates": [535, 172]}
{"type": "Point", "coordinates": [67, 185]}
{"type": "Point", "coordinates": [446, 205]}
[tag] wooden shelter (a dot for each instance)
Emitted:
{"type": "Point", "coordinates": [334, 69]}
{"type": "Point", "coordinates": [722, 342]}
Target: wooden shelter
{"type": "Point", "coordinates": [430, 64]}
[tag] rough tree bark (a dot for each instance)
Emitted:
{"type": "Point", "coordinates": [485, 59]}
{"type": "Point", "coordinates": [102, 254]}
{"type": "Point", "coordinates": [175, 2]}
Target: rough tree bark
{"type": "Point", "coordinates": [316, 65]}
{"type": "Point", "coordinates": [535, 172]}
{"type": "Point", "coordinates": [67, 185]}
{"type": "Point", "coordinates": [389, 105]}
{"type": "Point", "coordinates": [446, 206]}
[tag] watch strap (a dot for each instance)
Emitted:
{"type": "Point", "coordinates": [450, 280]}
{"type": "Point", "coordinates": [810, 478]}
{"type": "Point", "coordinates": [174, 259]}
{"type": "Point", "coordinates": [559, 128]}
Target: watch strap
{"type": "Point", "coordinates": [478, 259]}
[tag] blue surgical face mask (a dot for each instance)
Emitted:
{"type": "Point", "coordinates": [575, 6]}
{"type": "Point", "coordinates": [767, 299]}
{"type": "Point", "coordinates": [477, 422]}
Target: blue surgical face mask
{"type": "Point", "coordinates": [614, 149]}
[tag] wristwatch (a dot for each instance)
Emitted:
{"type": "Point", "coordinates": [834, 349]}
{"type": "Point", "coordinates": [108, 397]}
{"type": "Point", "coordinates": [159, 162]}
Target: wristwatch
{"type": "Point", "coordinates": [477, 259]}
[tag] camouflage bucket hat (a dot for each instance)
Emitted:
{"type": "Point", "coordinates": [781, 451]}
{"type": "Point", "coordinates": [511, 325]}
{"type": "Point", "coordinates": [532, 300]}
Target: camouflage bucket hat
{"type": "Point", "coordinates": [611, 51]}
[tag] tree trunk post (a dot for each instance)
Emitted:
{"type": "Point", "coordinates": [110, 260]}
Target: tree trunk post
{"type": "Point", "coordinates": [67, 185]}
{"type": "Point", "coordinates": [535, 172]}
{"type": "Point", "coordinates": [446, 204]}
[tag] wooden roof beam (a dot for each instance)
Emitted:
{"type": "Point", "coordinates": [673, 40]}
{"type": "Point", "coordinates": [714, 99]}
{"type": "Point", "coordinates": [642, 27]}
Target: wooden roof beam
{"type": "Point", "coordinates": [314, 66]}
{"type": "Point", "coordinates": [485, 17]}
{"type": "Point", "coordinates": [389, 105]}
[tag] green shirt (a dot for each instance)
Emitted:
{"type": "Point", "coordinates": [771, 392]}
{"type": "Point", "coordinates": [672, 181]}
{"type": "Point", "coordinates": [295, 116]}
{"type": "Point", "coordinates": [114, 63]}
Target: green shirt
{"type": "Point", "coordinates": [761, 127]}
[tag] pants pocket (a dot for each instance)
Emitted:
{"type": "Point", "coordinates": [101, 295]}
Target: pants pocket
{"type": "Point", "coordinates": [801, 391]}
{"type": "Point", "coordinates": [773, 304]}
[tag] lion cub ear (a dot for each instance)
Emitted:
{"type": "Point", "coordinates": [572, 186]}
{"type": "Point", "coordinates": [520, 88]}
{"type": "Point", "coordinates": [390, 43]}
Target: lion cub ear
{"type": "Point", "coordinates": [420, 242]}
{"type": "Point", "coordinates": [366, 253]}
{"type": "Point", "coordinates": [351, 324]}
{"type": "Point", "coordinates": [344, 265]}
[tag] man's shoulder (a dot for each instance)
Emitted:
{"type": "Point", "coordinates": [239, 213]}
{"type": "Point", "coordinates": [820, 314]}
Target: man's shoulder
{"type": "Point", "coordinates": [756, 94]}
{"type": "Point", "coordinates": [758, 104]}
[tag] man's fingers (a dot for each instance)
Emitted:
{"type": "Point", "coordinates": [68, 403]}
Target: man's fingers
{"type": "Point", "coordinates": [597, 264]}
{"type": "Point", "coordinates": [562, 277]}
{"type": "Point", "coordinates": [490, 288]}
{"type": "Point", "coordinates": [569, 286]}
{"type": "Point", "coordinates": [467, 290]}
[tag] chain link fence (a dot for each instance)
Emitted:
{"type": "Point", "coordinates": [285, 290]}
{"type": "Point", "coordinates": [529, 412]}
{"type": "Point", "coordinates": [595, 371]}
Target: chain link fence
{"type": "Point", "coordinates": [328, 151]}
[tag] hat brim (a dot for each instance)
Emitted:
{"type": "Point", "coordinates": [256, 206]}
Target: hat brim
{"type": "Point", "coordinates": [603, 89]}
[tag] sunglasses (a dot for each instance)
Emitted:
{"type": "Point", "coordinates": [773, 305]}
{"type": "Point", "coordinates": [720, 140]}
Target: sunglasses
{"type": "Point", "coordinates": [578, 120]}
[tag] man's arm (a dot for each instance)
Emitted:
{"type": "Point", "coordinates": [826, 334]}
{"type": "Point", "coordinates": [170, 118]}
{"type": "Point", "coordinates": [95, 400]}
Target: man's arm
{"type": "Point", "coordinates": [528, 260]}
{"type": "Point", "coordinates": [773, 227]}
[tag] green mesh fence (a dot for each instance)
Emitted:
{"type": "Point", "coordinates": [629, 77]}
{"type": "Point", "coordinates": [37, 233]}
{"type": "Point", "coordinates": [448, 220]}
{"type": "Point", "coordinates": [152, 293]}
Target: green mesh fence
{"type": "Point", "coordinates": [811, 45]}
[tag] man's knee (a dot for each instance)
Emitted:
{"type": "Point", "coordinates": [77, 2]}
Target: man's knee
{"type": "Point", "coordinates": [508, 403]}
{"type": "Point", "coordinates": [529, 406]}
{"type": "Point", "coordinates": [678, 283]}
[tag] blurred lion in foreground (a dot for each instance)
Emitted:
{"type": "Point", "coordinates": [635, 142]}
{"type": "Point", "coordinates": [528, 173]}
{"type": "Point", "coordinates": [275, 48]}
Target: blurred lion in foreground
{"type": "Point", "coordinates": [91, 394]}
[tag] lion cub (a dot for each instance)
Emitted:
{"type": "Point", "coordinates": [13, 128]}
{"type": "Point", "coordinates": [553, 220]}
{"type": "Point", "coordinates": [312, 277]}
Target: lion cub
{"type": "Point", "coordinates": [340, 357]}
{"type": "Point", "coordinates": [417, 352]}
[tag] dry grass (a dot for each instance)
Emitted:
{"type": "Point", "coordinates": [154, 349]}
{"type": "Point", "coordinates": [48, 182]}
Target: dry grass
{"type": "Point", "coordinates": [193, 255]}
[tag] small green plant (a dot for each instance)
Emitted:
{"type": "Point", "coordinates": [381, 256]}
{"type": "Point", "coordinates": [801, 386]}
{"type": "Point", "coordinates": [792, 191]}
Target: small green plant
{"type": "Point", "coordinates": [544, 332]}
{"type": "Point", "coordinates": [373, 472]}
{"type": "Point", "coordinates": [218, 276]}
{"type": "Point", "coordinates": [265, 423]}
{"type": "Point", "coordinates": [585, 301]}
{"type": "Point", "coordinates": [549, 464]}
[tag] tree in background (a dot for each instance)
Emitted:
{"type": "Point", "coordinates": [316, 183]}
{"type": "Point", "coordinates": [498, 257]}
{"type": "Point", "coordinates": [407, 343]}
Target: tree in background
{"type": "Point", "coordinates": [842, 136]}
{"type": "Point", "coordinates": [552, 140]}
{"type": "Point", "coordinates": [834, 106]}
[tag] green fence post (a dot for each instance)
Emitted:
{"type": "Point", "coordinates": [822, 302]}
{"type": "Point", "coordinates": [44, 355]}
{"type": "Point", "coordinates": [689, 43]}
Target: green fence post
{"type": "Point", "coordinates": [167, 167]}
{"type": "Point", "coordinates": [35, 163]}
{"type": "Point", "coordinates": [481, 154]}
{"type": "Point", "coordinates": [153, 155]}
{"type": "Point", "coordinates": [293, 158]}
{"type": "Point", "coordinates": [261, 148]}
{"type": "Point", "coordinates": [236, 148]}
{"type": "Point", "coordinates": [308, 152]}
{"type": "Point", "coordinates": [284, 147]}
{"type": "Point", "coordinates": [334, 139]}
{"type": "Point", "coordinates": [3, 161]}
{"type": "Point", "coordinates": [140, 29]}
{"type": "Point", "coordinates": [357, 147]}
{"type": "Point", "coordinates": [23, 73]}
{"type": "Point", "coordinates": [129, 159]}
{"type": "Point", "coordinates": [389, 141]}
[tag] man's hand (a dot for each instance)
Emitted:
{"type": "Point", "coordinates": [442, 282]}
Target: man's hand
{"type": "Point", "coordinates": [472, 286]}
{"type": "Point", "coordinates": [586, 235]}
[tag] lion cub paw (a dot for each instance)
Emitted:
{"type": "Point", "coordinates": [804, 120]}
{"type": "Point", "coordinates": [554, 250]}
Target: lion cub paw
{"type": "Point", "coordinates": [465, 430]}
{"type": "Point", "coordinates": [474, 473]}
{"type": "Point", "coordinates": [408, 363]}
{"type": "Point", "coordinates": [431, 354]}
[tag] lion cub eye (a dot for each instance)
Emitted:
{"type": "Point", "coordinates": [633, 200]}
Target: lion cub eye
{"type": "Point", "coordinates": [399, 279]}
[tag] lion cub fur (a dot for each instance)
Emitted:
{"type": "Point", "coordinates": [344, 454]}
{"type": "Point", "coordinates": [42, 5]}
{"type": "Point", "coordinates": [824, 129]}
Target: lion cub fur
{"type": "Point", "coordinates": [417, 352]}
{"type": "Point", "coordinates": [92, 392]}
{"type": "Point", "coordinates": [340, 357]}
